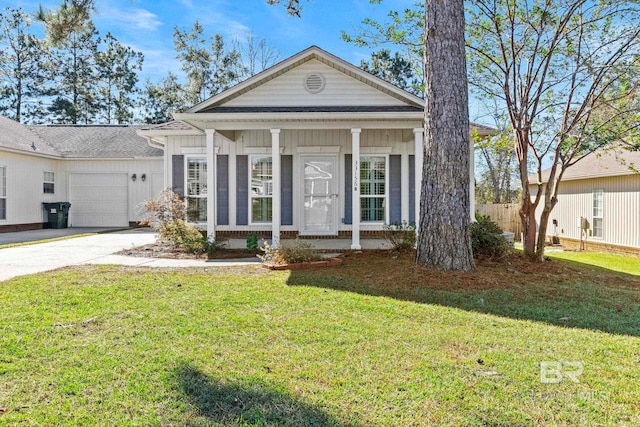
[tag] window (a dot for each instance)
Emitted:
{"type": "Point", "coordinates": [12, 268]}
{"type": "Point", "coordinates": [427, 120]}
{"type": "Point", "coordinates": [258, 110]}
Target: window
{"type": "Point", "coordinates": [597, 213]}
{"type": "Point", "coordinates": [261, 179]}
{"type": "Point", "coordinates": [3, 193]}
{"type": "Point", "coordinates": [196, 190]}
{"type": "Point", "coordinates": [373, 189]}
{"type": "Point", "coordinates": [48, 186]}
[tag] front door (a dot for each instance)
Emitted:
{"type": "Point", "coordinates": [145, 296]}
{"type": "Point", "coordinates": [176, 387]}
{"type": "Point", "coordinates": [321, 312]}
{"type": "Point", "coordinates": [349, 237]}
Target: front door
{"type": "Point", "coordinates": [320, 210]}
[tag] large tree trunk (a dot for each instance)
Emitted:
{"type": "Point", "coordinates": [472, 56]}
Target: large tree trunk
{"type": "Point", "coordinates": [444, 238]}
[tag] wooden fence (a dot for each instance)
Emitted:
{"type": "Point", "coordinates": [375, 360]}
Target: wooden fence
{"type": "Point", "coordinates": [505, 215]}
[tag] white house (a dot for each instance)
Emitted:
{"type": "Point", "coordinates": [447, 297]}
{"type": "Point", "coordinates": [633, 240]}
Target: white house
{"type": "Point", "coordinates": [312, 146]}
{"type": "Point", "coordinates": [103, 171]}
{"type": "Point", "coordinates": [604, 189]}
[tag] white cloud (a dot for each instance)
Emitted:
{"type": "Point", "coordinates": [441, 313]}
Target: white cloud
{"type": "Point", "coordinates": [133, 18]}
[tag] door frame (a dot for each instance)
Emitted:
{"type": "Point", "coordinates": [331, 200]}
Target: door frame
{"type": "Point", "coordinates": [335, 217]}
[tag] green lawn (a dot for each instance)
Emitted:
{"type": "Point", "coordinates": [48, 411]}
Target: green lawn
{"type": "Point", "coordinates": [625, 264]}
{"type": "Point", "coordinates": [348, 346]}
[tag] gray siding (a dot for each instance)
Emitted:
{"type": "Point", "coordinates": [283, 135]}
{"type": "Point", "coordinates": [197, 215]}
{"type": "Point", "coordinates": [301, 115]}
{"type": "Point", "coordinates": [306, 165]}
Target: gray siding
{"type": "Point", "coordinates": [222, 190]}
{"type": "Point", "coordinates": [242, 190]}
{"type": "Point", "coordinates": [395, 191]}
{"type": "Point", "coordinates": [347, 190]}
{"type": "Point", "coordinates": [412, 189]}
{"type": "Point", "coordinates": [286, 188]}
{"type": "Point", "coordinates": [177, 164]}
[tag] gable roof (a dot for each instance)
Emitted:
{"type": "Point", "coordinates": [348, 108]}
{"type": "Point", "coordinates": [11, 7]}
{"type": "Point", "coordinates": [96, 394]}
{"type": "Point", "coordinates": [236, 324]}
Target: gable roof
{"type": "Point", "coordinates": [309, 54]}
{"type": "Point", "coordinates": [75, 141]}
{"type": "Point", "coordinates": [15, 136]}
{"type": "Point", "coordinates": [96, 141]}
{"type": "Point", "coordinates": [600, 164]}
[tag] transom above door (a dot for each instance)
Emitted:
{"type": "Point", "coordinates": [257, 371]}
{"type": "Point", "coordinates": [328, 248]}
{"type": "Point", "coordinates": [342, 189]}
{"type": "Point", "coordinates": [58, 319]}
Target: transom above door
{"type": "Point", "coordinates": [320, 195]}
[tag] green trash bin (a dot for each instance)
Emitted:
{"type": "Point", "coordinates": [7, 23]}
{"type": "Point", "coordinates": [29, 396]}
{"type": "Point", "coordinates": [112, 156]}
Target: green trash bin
{"type": "Point", "coordinates": [57, 214]}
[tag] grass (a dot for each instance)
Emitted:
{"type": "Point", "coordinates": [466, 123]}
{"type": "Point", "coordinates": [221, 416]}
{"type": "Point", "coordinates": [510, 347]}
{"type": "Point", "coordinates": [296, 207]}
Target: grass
{"type": "Point", "coordinates": [621, 263]}
{"type": "Point", "coordinates": [376, 341]}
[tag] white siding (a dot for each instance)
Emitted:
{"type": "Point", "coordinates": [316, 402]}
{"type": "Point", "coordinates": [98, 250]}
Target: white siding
{"type": "Point", "coordinates": [138, 191]}
{"type": "Point", "coordinates": [24, 187]}
{"type": "Point", "coordinates": [621, 208]}
{"type": "Point", "coordinates": [288, 90]}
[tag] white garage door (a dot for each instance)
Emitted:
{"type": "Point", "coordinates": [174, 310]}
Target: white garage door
{"type": "Point", "coordinates": [98, 200]}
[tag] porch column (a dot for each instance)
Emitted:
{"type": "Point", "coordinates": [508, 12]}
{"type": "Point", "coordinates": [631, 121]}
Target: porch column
{"type": "Point", "coordinates": [275, 191]}
{"type": "Point", "coordinates": [472, 180]}
{"type": "Point", "coordinates": [211, 184]}
{"type": "Point", "coordinates": [404, 187]}
{"type": "Point", "coordinates": [355, 189]}
{"type": "Point", "coordinates": [419, 160]}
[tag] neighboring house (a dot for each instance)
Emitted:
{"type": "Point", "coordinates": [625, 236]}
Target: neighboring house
{"type": "Point", "coordinates": [92, 167]}
{"type": "Point", "coordinates": [604, 189]}
{"type": "Point", "coordinates": [312, 146]}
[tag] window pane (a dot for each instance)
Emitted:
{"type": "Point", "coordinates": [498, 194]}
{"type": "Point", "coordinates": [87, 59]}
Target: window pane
{"type": "Point", "coordinates": [597, 203]}
{"type": "Point", "coordinates": [372, 208]}
{"type": "Point", "coordinates": [49, 177]}
{"type": "Point", "coordinates": [372, 176]}
{"type": "Point", "coordinates": [3, 182]}
{"type": "Point", "coordinates": [597, 227]}
{"type": "Point", "coordinates": [196, 177]}
{"type": "Point", "coordinates": [3, 208]}
{"type": "Point", "coordinates": [48, 188]}
{"type": "Point", "coordinates": [196, 209]}
{"type": "Point", "coordinates": [261, 209]}
{"type": "Point", "coordinates": [261, 176]}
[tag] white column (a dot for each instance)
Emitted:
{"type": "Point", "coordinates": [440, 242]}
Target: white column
{"type": "Point", "coordinates": [419, 164]}
{"type": "Point", "coordinates": [211, 184]}
{"type": "Point", "coordinates": [355, 189]}
{"type": "Point", "coordinates": [404, 186]}
{"type": "Point", "coordinates": [472, 180]}
{"type": "Point", "coordinates": [275, 195]}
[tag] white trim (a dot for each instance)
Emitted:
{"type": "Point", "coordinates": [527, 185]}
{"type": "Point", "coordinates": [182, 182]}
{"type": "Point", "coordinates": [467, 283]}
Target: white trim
{"type": "Point", "coordinates": [250, 197]}
{"type": "Point", "coordinates": [386, 192]}
{"type": "Point", "coordinates": [212, 151]}
{"type": "Point", "coordinates": [318, 149]}
{"type": "Point", "coordinates": [404, 187]}
{"type": "Point", "coordinates": [261, 150]}
{"type": "Point", "coordinates": [335, 218]}
{"type": "Point", "coordinates": [355, 189]}
{"type": "Point", "coordinates": [276, 197]}
{"type": "Point", "coordinates": [185, 181]}
{"type": "Point", "coordinates": [372, 151]}
{"type": "Point", "coordinates": [593, 217]}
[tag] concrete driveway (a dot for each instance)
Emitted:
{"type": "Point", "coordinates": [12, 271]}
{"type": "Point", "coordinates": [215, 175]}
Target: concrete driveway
{"type": "Point", "coordinates": [96, 249]}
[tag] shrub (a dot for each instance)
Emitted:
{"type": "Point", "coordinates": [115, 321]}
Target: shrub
{"type": "Point", "coordinates": [167, 207]}
{"type": "Point", "coordinates": [184, 236]}
{"type": "Point", "coordinates": [487, 239]}
{"type": "Point", "coordinates": [298, 251]}
{"type": "Point", "coordinates": [252, 241]}
{"type": "Point", "coordinates": [401, 235]}
{"type": "Point", "coordinates": [213, 246]}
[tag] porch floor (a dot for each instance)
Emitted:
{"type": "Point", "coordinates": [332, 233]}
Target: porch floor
{"type": "Point", "coordinates": [322, 244]}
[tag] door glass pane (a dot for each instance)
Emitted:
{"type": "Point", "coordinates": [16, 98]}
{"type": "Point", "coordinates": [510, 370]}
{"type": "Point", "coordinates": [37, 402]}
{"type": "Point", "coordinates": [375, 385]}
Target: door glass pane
{"type": "Point", "coordinates": [320, 195]}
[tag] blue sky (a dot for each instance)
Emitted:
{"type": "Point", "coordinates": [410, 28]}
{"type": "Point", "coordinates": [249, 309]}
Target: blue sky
{"type": "Point", "coordinates": [147, 25]}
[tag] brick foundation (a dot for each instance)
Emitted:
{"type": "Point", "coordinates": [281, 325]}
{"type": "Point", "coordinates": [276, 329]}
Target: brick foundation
{"type": "Point", "coordinates": [21, 227]}
{"type": "Point", "coordinates": [368, 234]}
{"type": "Point", "coordinates": [595, 246]}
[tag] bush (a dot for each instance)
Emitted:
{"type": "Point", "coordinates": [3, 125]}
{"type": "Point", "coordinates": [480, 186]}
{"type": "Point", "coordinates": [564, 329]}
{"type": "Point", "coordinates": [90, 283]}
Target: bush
{"type": "Point", "coordinates": [167, 215]}
{"type": "Point", "coordinates": [184, 236]}
{"type": "Point", "coordinates": [487, 239]}
{"type": "Point", "coordinates": [252, 241]}
{"type": "Point", "coordinates": [299, 251]}
{"type": "Point", "coordinates": [213, 246]}
{"type": "Point", "coordinates": [401, 235]}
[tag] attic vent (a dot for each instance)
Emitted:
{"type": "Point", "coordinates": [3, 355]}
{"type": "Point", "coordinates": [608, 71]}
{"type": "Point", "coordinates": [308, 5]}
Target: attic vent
{"type": "Point", "coordinates": [314, 83]}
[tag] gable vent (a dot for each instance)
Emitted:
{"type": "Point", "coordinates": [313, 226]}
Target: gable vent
{"type": "Point", "coordinates": [314, 82]}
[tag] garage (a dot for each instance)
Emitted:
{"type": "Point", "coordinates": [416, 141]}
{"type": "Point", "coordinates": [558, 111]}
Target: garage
{"type": "Point", "coordinates": [98, 200]}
